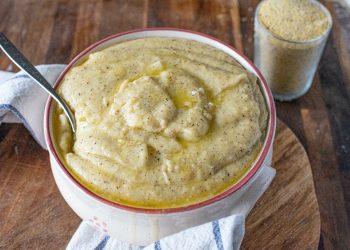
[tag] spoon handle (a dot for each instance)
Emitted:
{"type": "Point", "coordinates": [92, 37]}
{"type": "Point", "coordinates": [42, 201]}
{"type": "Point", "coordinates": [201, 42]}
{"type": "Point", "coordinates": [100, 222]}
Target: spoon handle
{"type": "Point", "coordinates": [18, 58]}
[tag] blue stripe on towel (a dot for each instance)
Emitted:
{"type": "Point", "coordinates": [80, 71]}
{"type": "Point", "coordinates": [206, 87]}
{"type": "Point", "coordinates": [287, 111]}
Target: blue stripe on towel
{"type": "Point", "coordinates": [217, 235]}
{"type": "Point", "coordinates": [102, 244]}
{"type": "Point", "coordinates": [157, 245]}
{"type": "Point", "coordinates": [24, 76]}
{"type": "Point", "coordinates": [20, 116]}
{"type": "Point", "coordinates": [3, 116]}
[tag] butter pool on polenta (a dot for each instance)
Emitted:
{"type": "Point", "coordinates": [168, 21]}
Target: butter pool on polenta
{"type": "Point", "coordinates": [161, 122]}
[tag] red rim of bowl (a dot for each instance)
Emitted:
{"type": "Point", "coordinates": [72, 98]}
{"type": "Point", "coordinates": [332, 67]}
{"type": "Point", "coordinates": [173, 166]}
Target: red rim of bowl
{"type": "Point", "coordinates": [232, 189]}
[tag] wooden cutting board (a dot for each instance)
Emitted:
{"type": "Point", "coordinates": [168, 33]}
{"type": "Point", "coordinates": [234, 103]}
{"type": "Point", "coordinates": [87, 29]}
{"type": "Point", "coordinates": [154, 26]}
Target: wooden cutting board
{"type": "Point", "coordinates": [33, 215]}
{"type": "Point", "coordinates": [287, 215]}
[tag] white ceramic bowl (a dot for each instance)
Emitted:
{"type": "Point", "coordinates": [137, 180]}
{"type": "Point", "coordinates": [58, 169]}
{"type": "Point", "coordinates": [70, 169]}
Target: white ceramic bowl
{"type": "Point", "coordinates": [142, 226]}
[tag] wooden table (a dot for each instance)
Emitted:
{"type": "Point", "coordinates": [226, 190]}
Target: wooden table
{"type": "Point", "coordinates": [54, 31]}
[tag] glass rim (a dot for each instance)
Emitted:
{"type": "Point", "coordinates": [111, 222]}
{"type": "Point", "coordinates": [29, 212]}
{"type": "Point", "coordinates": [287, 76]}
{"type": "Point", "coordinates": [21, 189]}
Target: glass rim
{"type": "Point", "coordinates": [315, 39]}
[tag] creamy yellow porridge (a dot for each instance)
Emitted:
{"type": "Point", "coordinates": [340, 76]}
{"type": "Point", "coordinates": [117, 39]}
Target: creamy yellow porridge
{"type": "Point", "coordinates": [161, 122]}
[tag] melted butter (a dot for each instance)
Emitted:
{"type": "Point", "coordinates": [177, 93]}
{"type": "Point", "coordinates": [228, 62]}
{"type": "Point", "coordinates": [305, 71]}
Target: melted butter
{"type": "Point", "coordinates": [183, 99]}
{"type": "Point", "coordinates": [183, 142]}
{"type": "Point", "coordinates": [82, 61]}
{"type": "Point", "coordinates": [57, 131]}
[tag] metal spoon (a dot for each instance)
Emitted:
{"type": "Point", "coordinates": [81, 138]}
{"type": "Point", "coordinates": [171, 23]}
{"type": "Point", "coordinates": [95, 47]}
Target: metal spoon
{"type": "Point", "coordinates": [18, 58]}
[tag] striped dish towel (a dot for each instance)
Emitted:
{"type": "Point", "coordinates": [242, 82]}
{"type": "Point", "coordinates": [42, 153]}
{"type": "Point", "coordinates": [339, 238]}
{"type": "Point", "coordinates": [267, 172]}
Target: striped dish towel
{"type": "Point", "coordinates": [223, 234]}
{"type": "Point", "coordinates": [21, 100]}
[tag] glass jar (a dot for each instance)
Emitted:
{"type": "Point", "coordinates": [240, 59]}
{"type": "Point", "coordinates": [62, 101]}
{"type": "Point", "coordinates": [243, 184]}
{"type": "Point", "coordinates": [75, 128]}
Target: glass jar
{"type": "Point", "coordinates": [288, 66]}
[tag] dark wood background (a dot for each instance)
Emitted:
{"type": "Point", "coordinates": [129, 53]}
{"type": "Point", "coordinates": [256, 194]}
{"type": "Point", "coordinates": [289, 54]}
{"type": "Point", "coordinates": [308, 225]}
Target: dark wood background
{"type": "Point", "coordinates": [54, 31]}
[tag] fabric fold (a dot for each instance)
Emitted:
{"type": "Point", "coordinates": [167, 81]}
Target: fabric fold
{"type": "Point", "coordinates": [22, 100]}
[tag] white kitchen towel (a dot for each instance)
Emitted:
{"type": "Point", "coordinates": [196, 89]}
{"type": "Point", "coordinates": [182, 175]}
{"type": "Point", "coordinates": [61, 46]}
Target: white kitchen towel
{"type": "Point", "coordinates": [222, 234]}
{"type": "Point", "coordinates": [22, 100]}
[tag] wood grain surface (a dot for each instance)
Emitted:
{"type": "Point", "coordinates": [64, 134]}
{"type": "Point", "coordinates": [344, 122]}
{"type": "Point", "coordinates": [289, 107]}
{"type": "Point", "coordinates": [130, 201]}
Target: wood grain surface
{"type": "Point", "coordinates": [54, 31]}
{"type": "Point", "coordinates": [287, 215]}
